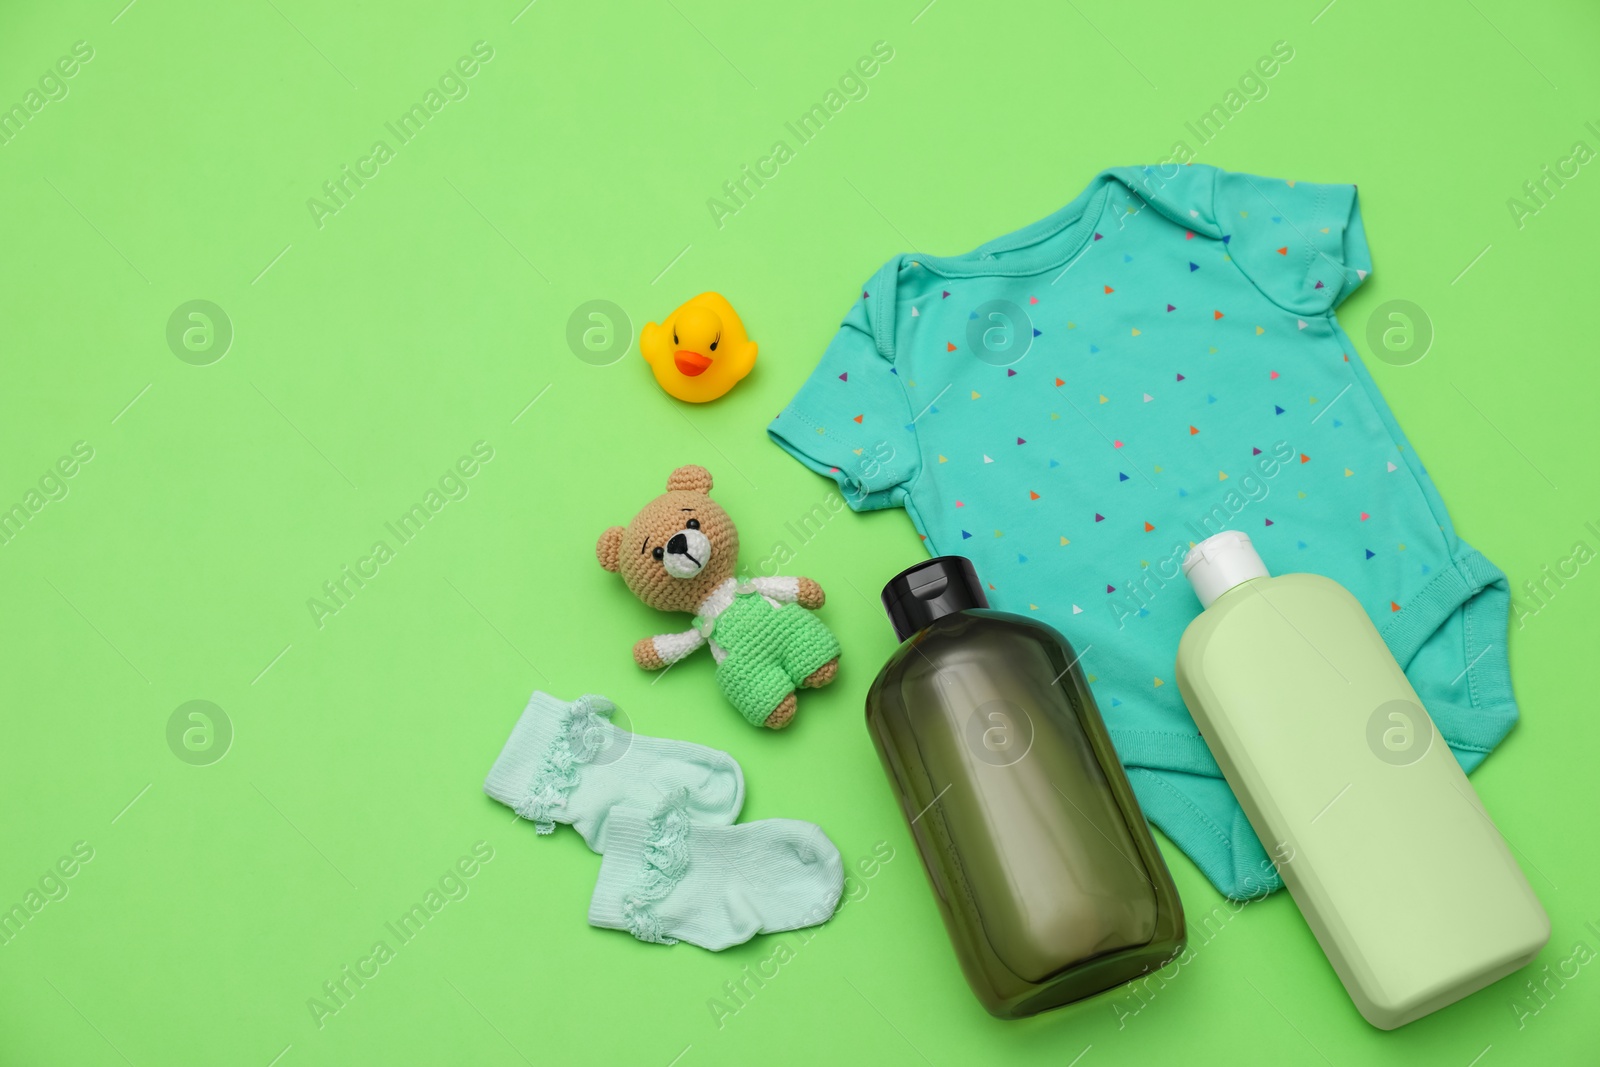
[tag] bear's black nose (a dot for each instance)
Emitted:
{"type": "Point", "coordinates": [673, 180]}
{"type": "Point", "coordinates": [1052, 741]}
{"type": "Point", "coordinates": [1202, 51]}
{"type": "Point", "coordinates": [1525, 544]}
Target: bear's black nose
{"type": "Point", "coordinates": [678, 545]}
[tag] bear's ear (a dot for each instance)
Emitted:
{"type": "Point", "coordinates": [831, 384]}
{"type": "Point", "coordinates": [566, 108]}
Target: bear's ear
{"type": "Point", "coordinates": [692, 478]}
{"type": "Point", "coordinates": [605, 550]}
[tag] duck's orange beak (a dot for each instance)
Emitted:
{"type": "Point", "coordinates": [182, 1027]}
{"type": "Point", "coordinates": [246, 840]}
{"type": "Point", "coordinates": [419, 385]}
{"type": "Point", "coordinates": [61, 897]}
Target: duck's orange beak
{"type": "Point", "coordinates": [689, 363]}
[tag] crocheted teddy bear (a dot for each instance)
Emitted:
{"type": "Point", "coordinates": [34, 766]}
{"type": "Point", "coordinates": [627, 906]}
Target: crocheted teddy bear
{"type": "Point", "coordinates": [680, 554]}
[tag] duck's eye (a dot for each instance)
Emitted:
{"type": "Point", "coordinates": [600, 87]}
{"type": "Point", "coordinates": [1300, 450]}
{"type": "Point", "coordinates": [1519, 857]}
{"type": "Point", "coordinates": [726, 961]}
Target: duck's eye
{"type": "Point", "coordinates": [657, 553]}
{"type": "Point", "coordinates": [693, 524]}
{"type": "Point", "coordinates": [674, 336]}
{"type": "Point", "coordinates": [713, 346]}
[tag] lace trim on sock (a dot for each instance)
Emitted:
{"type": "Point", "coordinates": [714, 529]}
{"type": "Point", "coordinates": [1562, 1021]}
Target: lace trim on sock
{"type": "Point", "coordinates": [666, 861]}
{"type": "Point", "coordinates": [583, 733]}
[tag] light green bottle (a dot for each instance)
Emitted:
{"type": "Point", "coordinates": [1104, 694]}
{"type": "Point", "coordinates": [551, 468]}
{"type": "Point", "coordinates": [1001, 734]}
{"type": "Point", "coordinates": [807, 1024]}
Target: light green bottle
{"type": "Point", "coordinates": [1381, 840]}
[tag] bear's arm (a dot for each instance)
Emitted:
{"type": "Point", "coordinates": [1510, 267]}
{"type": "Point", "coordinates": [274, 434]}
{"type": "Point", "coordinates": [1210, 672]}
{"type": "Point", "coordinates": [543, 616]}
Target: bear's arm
{"type": "Point", "coordinates": [653, 653]}
{"type": "Point", "coordinates": [802, 591]}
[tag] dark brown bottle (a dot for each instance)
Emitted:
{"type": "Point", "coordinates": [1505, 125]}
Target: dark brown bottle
{"type": "Point", "coordinates": [1050, 884]}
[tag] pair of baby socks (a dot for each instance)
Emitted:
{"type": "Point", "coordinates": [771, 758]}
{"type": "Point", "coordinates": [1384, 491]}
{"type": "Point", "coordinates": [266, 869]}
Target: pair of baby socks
{"type": "Point", "coordinates": [660, 813]}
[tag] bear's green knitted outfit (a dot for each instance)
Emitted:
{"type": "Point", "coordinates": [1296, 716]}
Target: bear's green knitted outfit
{"type": "Point", "coordinates": [765, 643]}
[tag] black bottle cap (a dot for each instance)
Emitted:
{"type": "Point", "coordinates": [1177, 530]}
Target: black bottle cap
{"type": "Point", "coordinates": [941, 586]}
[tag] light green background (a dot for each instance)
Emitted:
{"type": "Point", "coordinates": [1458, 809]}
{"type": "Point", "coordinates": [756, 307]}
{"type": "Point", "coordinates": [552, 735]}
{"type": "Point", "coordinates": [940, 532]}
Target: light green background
{"type": "Point", "coordinates": [429, 312]}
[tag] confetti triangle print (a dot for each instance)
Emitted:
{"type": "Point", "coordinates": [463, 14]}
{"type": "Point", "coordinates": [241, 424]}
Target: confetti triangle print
{"type": "Point", "coordinates": [1193, 431]}
{"type": "Point", "coordinates": [1020, 441]}
{"type": "Point", "coordinates": [1148, 527]}
{"type": "Point", "coordinates": [1111, 588]}
{"type": "Point", "coordinates": [865, 295]}
{"type": "Point", "coordinates": [858, 418]}
{"type": "Point", "coordinates": [1116, 444]}
{"type": "Point", "coordinates": [1260, 330]}
{"type": "Point", "coordinates": [959, 504]}
{"type": "Point", "coordinates": [1148, 398]}
{"type": "Point", "coordinates": [1077, 610]}
{"type": "Point", "coordinates": [946, 295]}
{"type": "Point", "coordinates": [1059, 382]}
{"type": "Point", "coordinates": [915, 313]}
{"type": "Point", "coordinates": [1361, 274]}
{"type": "Point", "coordinates": [1127, 258]}
{"type": "Point", "coordinates": [1033, 300]}
{"type": "Point", "coordinates": [1010, 373]}
{"type": "Point", "coordinates": [949, 346]}
{"type": "Point", "coordinates": [1188, 235]}
{"type": "Point", "coordinates": [1276, 410]}
{"type": "Point", "coordinates": [1299, 544]}
{"type": "Point", "coordinates": [1301, 323]}
{"type": "Point", "coordinates": [1097, 237]}
{"type": "Point", "coordinates": [1370, 553]}
{"type": "Point", "coordinates": [1053, 463]}
{"type": "Point", "coordinates": [1064, 541]}
{"type": "Point", "coordinates": [986, 459]}
{"type": "Point", "coordinates": [1318, 285]}
{"type": "Point", "coordinates": [1159, 683]}
{"type": "Point", "coordinates": [1283, 251]}
{"type": "Point", "coordinates": [1136, 331]}
{"type": "Point", "coordinates": [1222, 476]}
{"type": "Point", "coordinates": [1255, 451]}
{"type": "Point", "coordinates": [1337, 424]}
{"type": "Point", "coordinates": [1365, 516]}
{"type": "Point", "coordinates": [1110, 290]}
{"type": "Point", "coordinates": [1393, 606]}
{"type": "Point", "coordinates": [1348, 472]}
{"type": "Point", "coordinates": [845, 377]}
{"type": "Point", "coordinates": [1212, 350]}
{"type": "Point", "coordinates": [1272, 377]}
{"type": "Point", "coordinates": [1226, 238]}
{"type": "Point", "coordinates": [1032, 495]}
{"type": "Point", "coordinates": [976, 395]}
{"type": "Point", "coordinates": [1023, 559]}
{"type": "Point", "coordinates": [1038, 332]}
{"type": "Point", "coordinates": [1269, 522]}
{"type": "Point", "coordinates": [943, 460]}
{"type": "Point", "coordinates": [1392, 468]}
{"type": "Point", "coordinates": [1121, 477]}
{"type": "Point", "coordinates": [1171, 308]}
{"type": "Point", "coordinates": [1304, 458]}
{"type": "Point", "coordinates": [1116, 703]}
{"type": "Point", "coordinates": [1180, 378]}
{"type": "Point", "coordinates": [965, 535]}
{"type": "Point", "coordinates": [1193, 267]}
{"type": "Point", "coordinates": [1072, 326]}
{"type": "Point", "coordinates": [1210, 399]}
{"type": "Point", "coordinates": [1099, 517]}
{"type": "Point", "coordinates": [1183, 492]}
{"type": "Point", "coordinates": [1093, 349]}
{"type": "Point", "coordinates": [1157, 468]}
{"type": "Point", "coordinates": [971, 315]}
{"type": "Point", "coordinates": [998, 533]}
{"type": "Point", "coordinates": [1103, 398]}
{"type": "Point", "coordinates": [1216, 315]}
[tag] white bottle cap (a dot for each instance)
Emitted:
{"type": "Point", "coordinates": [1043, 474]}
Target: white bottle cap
{"type": "Point", "coordinates": [1221, 562]}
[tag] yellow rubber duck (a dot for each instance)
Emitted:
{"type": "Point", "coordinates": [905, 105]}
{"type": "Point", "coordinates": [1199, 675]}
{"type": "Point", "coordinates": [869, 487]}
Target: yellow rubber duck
{"type": "Point", "coordinates": [700, 351]}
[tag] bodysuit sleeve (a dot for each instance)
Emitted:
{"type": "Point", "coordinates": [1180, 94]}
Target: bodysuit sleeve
{"type": "Point", "coordinates": [852, 420]}
{"type": "Point", "coordinates": [1301, 243]}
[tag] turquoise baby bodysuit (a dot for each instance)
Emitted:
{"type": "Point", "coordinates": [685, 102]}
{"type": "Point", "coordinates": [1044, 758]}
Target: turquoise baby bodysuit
{"type": "Point", "coordinates": [1073, 405]}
